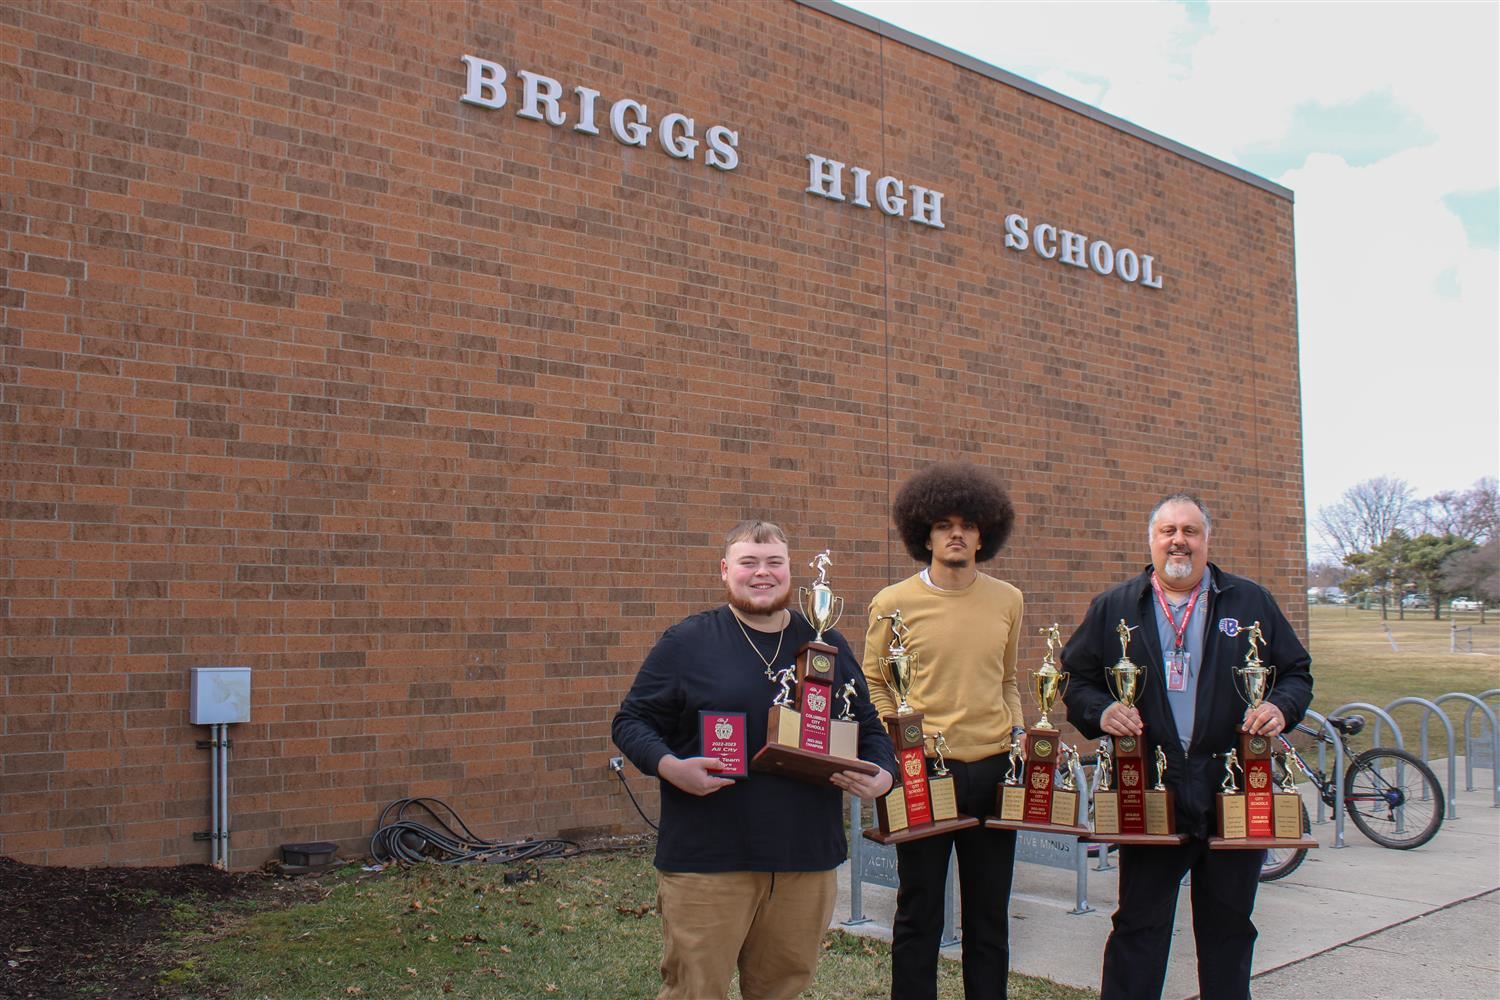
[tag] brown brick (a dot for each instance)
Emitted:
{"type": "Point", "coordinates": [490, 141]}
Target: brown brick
{"type": "Point", "coordinates": [436, 429]}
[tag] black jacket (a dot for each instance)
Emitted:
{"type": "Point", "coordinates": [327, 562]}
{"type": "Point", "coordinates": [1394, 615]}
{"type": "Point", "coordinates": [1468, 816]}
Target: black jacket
{"type": "Point", "coordinates": [1196, 775]}
{"type": "Point", "coordinates": [766, 822]}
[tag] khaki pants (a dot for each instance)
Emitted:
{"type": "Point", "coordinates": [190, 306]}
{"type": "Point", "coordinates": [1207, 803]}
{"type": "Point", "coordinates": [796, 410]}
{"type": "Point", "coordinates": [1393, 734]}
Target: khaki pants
{"type": "Point", "coordinates": [769, 925]}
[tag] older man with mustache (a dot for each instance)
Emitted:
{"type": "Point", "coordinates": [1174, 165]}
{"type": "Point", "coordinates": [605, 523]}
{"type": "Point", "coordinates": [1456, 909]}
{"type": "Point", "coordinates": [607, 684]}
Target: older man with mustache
{"type": "Point", "coordinates": [1188, 613]}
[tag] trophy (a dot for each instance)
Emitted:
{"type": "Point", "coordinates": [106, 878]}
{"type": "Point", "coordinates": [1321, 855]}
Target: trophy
{"type": "Point", "coordinates": [920, 805]}
{"type": "Point", "coordinates": [804, 740]}
{"type": "Point", "coordinates": [1258, 814]}
{"type": "Point", "coordinates": [1035, 799]}
{"type": "Point", "coordinates": [1132, 812]}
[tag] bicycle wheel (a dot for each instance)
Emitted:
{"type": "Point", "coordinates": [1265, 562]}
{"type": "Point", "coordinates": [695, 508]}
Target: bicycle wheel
{"type": "Point", "coordinates": [1282, 861]}
{"type": "Point", "coordinates": [1394, 798]}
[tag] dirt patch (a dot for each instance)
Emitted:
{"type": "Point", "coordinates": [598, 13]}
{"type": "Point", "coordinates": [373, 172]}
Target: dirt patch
{"type": "Point", "coordinates": [81, 932]}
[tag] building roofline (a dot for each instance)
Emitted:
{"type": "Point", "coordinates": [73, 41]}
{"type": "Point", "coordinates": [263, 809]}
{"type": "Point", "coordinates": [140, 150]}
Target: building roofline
{"type": "Point", "coordinates": [895, 34]}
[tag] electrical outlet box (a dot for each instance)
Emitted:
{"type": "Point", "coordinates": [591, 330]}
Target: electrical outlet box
{"type": "Point", "coordinates": [219, 694]}
{"type": "Point", "coordinates": [617, 763]}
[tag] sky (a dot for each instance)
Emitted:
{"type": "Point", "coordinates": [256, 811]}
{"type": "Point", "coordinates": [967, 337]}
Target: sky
{"type": "Point", "coordinates": [1384, 120]}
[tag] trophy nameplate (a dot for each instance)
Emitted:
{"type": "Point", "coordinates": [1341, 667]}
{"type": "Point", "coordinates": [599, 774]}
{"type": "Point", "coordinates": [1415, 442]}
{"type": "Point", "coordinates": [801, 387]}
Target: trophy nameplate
{"type": "Point", "coordinates": [803, 738]}
{"type": "Point", "coordinates": [1286, 813]}
{"type": "Point", "coordinates": [1106, 812]}
{"type": "Point", "coordinates": [1232, 816]}
{"type": "Point", "coordinates": [943, 797]}
{"type": "Point", "coordinates": [723, 735]}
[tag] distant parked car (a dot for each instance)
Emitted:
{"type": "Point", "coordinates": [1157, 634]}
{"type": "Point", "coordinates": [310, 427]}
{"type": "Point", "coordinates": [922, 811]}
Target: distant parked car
{"type": "Point", "coordinates": [1465, 604]}
{"type": "Point", "coordinates": [1415, 601]}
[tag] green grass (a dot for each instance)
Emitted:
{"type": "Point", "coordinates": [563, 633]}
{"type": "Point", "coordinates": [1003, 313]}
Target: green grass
{"type": "Point", "coordinates": [587, 926]}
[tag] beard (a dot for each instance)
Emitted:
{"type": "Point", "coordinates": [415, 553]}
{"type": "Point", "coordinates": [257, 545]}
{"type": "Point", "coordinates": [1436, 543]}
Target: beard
{"type": "Point", "coordinates": [751, 608]}
{"type": "Point", "coordinates": [1176, 570]}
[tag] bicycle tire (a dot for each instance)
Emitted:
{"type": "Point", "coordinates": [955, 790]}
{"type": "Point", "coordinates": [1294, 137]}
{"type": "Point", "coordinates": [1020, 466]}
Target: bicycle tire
{"type": "Point", "coordinates": [1282, 861]}
{"type": "Point", "coordinates": [1394, 798]}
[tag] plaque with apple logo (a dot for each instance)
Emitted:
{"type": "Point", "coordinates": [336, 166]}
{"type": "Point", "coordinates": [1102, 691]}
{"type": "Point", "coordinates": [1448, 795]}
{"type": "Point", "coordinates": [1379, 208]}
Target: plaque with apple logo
{"type": "Point", "coordinates": [723, 736]}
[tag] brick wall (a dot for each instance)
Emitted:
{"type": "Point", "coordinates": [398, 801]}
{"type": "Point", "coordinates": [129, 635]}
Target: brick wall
{"type": "Point", "coordinates": [433, 415]}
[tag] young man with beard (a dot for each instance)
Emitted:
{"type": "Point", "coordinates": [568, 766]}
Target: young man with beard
{"type": "Point", "coordinates": [965, 628]}
{"type": "Point", "coordinates": [745, 869]}
{"type": "Point", "coordinates": [1187, 615]}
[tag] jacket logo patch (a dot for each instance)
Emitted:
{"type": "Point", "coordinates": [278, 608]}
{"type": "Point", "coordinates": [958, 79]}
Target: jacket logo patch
{"type": "Point", "coordinates": [1229, 626]}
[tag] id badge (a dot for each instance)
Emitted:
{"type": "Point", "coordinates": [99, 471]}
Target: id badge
{"type": "Point", "coordinates": [1177, 669]}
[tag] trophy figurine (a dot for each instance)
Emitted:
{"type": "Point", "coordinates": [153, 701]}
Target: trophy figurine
{"type": "Point", "coordinates": [1259, 814]}
{"type": "Point", "coordinates": [920, 805]}
{"type": "Point", "coordinates": [1046, 799]}
{"type": "Point", "coordinates": [1134, 811]}
{"type": "Point", "coordinates": [803, 738]}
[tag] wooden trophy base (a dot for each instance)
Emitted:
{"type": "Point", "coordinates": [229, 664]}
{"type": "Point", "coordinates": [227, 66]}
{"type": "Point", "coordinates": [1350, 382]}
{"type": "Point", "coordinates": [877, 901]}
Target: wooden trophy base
{"type": "Point", "coordinates": [911, 833]}
{"type": "Point", "coordinates": [1286, 818]}
{"type": "Point", "coordinates": [1159, 811]}
{"type": "Point", "coordinates": [995, 823]}
{"type": "Point", "coordinates": [1260, 843]}
{"type": "Point", "coordinates": [1012, 811]}
{"type": "Point", "coordinates": [941, 805]}
{"type": "Point", "coordinates": [782, 756]}
{"type": "Point", "coordinates": [1036, 803]}
{"type": "Point", "coordinates": [804, 765]}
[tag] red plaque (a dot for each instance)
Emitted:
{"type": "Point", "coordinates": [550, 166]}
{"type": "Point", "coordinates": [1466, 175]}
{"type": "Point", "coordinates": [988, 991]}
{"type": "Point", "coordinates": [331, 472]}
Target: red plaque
{"type": "Point", "coordinates": [913, 763]}
{"type": "Point", "coordinates": [1258, 788]}
{"type": "Point", "coordinates": [1130, 772]}
{"type": "Point", "coordinates": [723, 736]}
{"type": "Point", "coordinates": [816, 704]}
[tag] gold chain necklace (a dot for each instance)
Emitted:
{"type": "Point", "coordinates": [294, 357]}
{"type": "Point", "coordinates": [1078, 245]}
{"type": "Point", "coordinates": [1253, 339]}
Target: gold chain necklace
{"type": "Point", "coordinates": [771, 663]}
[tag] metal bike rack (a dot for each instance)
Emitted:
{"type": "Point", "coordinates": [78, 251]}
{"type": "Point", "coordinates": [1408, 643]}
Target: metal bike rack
{"type": "Point", "coordinates": [1382, 717]}
{"type": "Point", "coordinates": [1338, 776]}
{"type": "Point", "coordinates": [1432, 710]}
{"type": "Point", "coordinates": [1476, 703]}
{"type": "Point", "coordinates": [876, 864]}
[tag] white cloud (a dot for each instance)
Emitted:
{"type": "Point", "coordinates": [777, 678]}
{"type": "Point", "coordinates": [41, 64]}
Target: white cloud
{"type": "Point", "coordinates": [1401, 377]}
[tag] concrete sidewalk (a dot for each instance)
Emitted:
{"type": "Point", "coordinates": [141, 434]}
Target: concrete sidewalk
{"type": "Point", "coordinates": [1360, 921]}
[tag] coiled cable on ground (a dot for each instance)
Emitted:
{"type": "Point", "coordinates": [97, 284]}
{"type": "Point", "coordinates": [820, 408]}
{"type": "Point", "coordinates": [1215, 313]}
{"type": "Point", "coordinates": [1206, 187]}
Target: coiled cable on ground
{"type": "Point", "coordinates": [447, 840]}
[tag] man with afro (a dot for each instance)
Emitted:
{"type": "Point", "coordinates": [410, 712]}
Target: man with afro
{"type": "Point", "coordinates": [964, 627]}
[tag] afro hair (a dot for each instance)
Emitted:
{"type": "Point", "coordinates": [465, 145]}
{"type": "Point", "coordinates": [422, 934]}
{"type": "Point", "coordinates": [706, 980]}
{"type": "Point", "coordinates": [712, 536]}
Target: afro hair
{"type": "Point", "coordinates": [949, 488]}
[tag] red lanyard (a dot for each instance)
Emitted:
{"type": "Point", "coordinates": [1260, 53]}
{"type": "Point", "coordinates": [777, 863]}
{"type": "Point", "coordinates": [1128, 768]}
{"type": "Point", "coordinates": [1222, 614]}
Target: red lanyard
{"type": "Point", "coordinates": [1178, 630]}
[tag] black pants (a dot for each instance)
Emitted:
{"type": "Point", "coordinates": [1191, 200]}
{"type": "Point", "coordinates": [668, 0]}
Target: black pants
{"type": "Point", "coordinates": [1223, 894]}
{"type": "Point", "coordinates": [986, 860]}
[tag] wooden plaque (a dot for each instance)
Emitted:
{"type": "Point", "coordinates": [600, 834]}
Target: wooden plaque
{"type": "Point", "coordinates": [1232, 816]}
{"type": "Point", "coordinates": [1106, 812]}
{"type": "Point", "coordinates": [944, 798]}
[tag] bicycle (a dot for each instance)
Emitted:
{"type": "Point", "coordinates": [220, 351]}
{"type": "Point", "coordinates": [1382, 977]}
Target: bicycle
{"type": "Point", "coordinates": [1391, 795]}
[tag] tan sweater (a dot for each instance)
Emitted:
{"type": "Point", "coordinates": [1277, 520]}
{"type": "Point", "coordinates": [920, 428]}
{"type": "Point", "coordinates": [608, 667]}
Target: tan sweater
{"type": "Point", "coordinates": [966, 678]}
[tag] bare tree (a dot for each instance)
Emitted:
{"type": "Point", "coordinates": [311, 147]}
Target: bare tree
{"type": "Point", "coordinates": [1326, 574]}
{"type": "Point", "coordinates": [1366, 516]}
{"type": "Point", "coordinates": [1473, 513]}
{"type": "Point", "coordinates": [1475, 572]}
